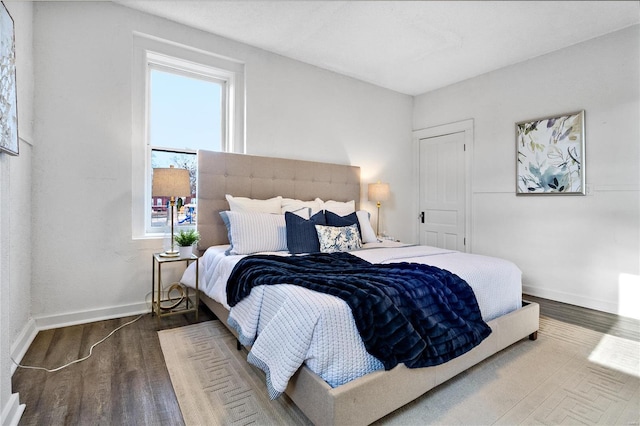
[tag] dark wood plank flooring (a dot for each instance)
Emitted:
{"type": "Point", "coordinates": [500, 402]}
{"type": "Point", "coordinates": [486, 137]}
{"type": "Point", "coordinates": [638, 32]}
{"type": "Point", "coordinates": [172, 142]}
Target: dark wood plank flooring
{"type": "Point", "coordinates": [126, 381]}
{"type": "Point", "coordinates": [603, 322]}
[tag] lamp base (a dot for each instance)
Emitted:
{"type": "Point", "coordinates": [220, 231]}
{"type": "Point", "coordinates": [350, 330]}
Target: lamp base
{"type": "Point", "coordinates": [170, 253]}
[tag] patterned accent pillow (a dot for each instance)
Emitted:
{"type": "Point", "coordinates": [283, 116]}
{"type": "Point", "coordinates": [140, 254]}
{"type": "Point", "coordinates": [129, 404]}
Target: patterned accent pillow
{"type": "Point", "coordinates": [360, 218]}
{"type": "Point", "coordinates": [338, 238]}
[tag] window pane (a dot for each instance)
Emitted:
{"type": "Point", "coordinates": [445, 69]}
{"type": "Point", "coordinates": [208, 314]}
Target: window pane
{"type": "Point", "coordinates": [185, 112]}
{"type": "Point", "coordinates": [185, 206]}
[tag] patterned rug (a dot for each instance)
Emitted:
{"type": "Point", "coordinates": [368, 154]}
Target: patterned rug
{"type": "Point", "coordinates": [214, 383]}
{"type": "Point", "coordinates": [570, 375]}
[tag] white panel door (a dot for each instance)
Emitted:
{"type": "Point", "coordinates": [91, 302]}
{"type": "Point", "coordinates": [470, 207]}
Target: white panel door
{"type": "Point", "coordinates": [442, 191]}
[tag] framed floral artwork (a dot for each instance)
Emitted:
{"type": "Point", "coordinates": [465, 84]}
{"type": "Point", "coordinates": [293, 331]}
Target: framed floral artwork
{"type": "Point", "coordinates": [550, 155]}
{"type": "Point", "coordinates": [8, 94]}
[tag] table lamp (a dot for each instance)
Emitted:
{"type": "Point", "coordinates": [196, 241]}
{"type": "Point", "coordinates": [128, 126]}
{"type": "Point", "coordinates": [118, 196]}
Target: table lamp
{"type": "Point", "coordinates": [170, 182]}
{"type": "Point", "coordinates": [378, 192]}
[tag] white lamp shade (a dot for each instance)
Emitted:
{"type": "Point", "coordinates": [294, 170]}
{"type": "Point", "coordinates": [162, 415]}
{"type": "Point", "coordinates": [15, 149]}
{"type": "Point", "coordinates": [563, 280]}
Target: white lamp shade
{"type": "Point", "coordinates": [170, 182]}
{"type": "Point", "coordinates": [378, 192]}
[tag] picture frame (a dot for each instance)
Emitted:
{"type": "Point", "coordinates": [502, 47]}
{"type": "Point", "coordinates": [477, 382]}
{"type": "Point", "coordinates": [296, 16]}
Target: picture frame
{"type": "Point", "coordinates": [551, 155]}
{"type": "Point", "coordinates": [8, 92]}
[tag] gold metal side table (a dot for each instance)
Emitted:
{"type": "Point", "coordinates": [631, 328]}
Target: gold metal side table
{"type": "Point", "coordinates": [187, 299]}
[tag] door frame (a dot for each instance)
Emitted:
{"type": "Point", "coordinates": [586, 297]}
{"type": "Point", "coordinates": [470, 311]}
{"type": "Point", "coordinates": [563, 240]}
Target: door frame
{"type": "Point", "coordinates": [466, 127]}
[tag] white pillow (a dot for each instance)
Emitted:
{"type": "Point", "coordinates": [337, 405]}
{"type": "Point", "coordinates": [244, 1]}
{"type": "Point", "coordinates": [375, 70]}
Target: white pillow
{"type": "Point", "coordinates": [338, 207]}
{"type": "Point", "coordinates": [291, 205]}
{"type": "Point", "coordinates": [253, 232]}
{"type": "Point", "coordinates": [366, 230]}
{"type": "Point", "coordinates": [244, 204]}
{"type": "Point", "coordinates": [338, 238]}
{"type": "Point", "coordinates": [303, 212]}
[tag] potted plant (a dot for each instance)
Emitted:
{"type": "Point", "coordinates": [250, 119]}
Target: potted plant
{"type": "Point", "coordinates": [186, 239]}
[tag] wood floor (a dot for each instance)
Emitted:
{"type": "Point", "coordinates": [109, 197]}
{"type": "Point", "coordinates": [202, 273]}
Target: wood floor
{"type": "Point", "coordinates": [603, 322]}
{"type": "Point", "coordinates": [126, 381]}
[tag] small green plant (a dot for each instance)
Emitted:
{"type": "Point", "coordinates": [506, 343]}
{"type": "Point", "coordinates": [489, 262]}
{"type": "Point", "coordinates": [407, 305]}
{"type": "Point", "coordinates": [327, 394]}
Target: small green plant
{"type": "Point", "coordinates": [186, 238]}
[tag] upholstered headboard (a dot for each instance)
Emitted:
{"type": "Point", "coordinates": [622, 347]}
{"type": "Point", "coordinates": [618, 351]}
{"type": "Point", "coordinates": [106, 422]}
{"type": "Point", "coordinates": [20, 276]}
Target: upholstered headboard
{"type": "Point", "coordinates": [221, 173]}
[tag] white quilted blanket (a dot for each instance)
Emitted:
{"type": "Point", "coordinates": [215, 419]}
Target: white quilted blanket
{"type": "Point", "coordinates": [296, 326]}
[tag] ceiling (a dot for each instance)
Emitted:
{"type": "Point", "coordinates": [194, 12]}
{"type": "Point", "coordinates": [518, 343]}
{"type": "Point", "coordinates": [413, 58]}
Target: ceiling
{"type": "Point", "coordinates": [408, 46]}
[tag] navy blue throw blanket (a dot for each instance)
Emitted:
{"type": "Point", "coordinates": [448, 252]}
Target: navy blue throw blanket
{"type": "Point", "coordinates": [407, 313]}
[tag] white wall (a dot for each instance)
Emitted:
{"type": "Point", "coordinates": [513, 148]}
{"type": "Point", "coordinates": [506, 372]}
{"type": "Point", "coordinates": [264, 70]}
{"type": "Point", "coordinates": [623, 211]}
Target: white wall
{"type": "Point", "coordinates": [582, 250]}
{"type": "Point", "coordinates": [85, 263]}
{"type": "Point", "coordinates": [15, 216]}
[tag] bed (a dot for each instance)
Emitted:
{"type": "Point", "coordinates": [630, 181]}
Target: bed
{"type": "Point", "coordinates": [369, 396]}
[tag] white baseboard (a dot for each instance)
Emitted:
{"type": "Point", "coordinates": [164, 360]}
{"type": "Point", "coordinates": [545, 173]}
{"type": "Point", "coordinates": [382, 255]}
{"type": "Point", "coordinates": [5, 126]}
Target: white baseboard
{"type": "Point", "coordinates": [572, 299]}
{"type": "Point", "coordinates": [12, 411]}
{"type": "Point", "coordinates": [83, 317]}
{"type": "Point", "coordinates": [22, 343]}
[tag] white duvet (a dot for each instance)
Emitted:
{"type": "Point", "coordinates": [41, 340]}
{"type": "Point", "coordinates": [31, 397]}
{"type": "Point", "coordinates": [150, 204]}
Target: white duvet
{"type": "Point", "coordinates": [287, 325]}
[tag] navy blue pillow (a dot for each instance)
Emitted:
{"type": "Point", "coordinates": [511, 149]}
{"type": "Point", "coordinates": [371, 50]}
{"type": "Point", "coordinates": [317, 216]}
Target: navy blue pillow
{"type": "Point", "coordinates": [301, 233]}
{"type": "Point", "coordinates": [348, 220]}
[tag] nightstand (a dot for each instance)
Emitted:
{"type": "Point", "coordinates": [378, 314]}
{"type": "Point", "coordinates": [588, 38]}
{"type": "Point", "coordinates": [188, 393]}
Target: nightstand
{"type": "Point", "coordinates": [179, 298]}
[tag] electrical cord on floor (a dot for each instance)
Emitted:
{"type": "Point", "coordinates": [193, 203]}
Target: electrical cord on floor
{"type": "Point", "coordinates": [81, 359]}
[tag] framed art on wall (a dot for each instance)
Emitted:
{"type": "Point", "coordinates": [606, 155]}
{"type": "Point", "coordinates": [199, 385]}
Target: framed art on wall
{"type": "Point", "coordinates": [550, 155]}
{"type": "Point", "coordinates": [8, 93]}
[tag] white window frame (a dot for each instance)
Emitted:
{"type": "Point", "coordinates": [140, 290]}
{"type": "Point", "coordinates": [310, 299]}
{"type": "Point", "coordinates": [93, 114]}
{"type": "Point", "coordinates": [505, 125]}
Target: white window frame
{"type": "Point", "coordinates": [151, 52]}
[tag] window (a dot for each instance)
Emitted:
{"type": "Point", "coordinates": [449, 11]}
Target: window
{"type": "Point", "coordinates": [186, 112]}
{"type": "Point", "coordinates": [184, 100]}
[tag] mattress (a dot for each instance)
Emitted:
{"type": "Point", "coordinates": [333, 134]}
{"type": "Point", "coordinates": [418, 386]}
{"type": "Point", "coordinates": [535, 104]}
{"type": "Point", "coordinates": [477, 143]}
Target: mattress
{"type": "Point", "coordinates": [319, 329]}
{"type": "Point", "coordinates": [497, 283]}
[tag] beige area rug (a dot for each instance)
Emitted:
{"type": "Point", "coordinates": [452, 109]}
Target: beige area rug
{"type": "Point", "coordinates": [570, 375]}
{"type": "Point", "coordinates": [214, 383]}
